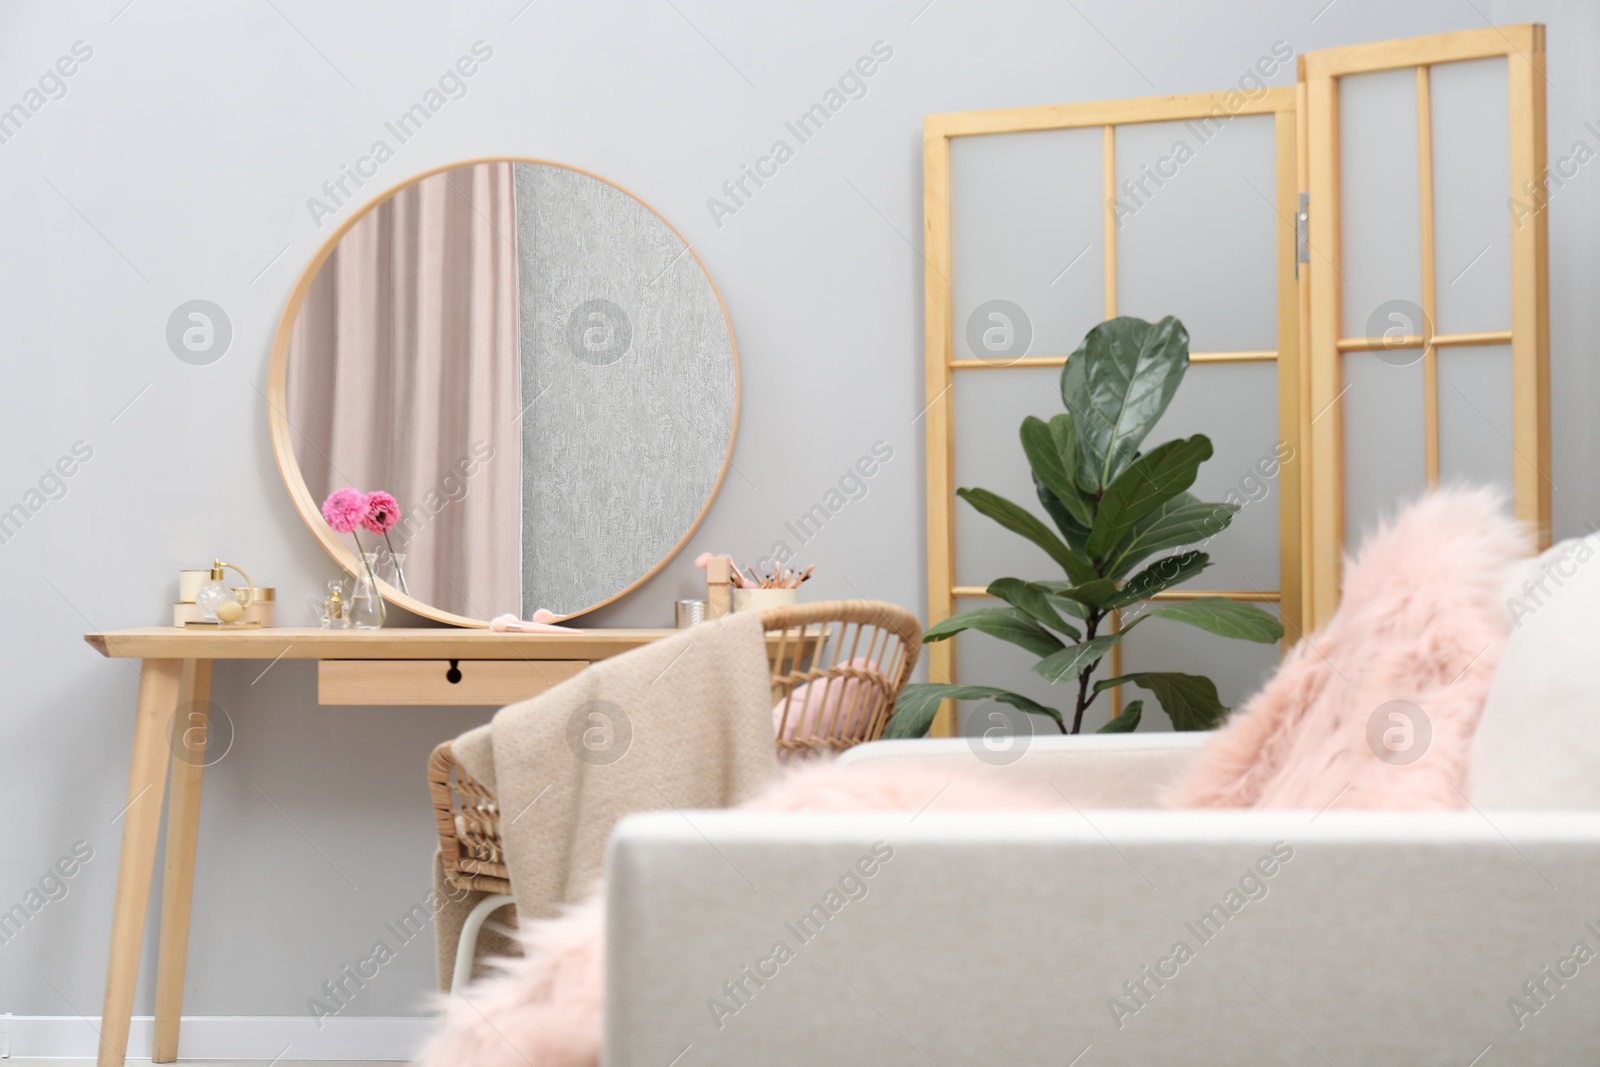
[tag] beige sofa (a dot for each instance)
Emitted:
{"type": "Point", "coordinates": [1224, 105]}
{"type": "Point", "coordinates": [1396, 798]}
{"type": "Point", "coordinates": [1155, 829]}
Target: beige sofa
{"type": "Point", "coordinates": [1117, 935]}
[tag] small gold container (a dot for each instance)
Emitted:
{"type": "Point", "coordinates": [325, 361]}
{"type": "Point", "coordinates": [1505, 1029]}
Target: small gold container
{"type": "Point", "coordinates": [260, 604]}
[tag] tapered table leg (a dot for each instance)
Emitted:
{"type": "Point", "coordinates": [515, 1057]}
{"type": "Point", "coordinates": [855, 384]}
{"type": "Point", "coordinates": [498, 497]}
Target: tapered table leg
{"type": "Point", "coordinates": [159, 685]}
{"type": "Point", "coordinates": [190, 735]}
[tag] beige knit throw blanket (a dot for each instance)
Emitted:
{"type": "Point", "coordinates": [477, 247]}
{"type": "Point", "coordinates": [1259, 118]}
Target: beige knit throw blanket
{"type": "Point", "coordinates": [685, 722]}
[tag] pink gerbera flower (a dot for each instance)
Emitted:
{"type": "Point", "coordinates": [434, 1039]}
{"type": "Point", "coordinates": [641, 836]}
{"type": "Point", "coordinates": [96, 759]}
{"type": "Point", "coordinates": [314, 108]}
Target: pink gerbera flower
{"type": "Point", "coordinates": [345, 509]}
{"type": "Point", "coordinates": [383, 511]}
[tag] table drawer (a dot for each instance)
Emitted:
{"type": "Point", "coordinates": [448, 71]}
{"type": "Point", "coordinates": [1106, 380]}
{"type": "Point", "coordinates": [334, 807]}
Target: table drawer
{"type": "Point", "coordinates": [429, 681]}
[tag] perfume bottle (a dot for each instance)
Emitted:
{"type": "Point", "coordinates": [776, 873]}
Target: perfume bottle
{"type": "Point", "coordinates": [217, 602]}
{"type": "Point", "coordinates": [332, 610]}
{"type": "Point", "coordinates": [213, 594]}
{"type": "Point", "coordinates": [335, 616]}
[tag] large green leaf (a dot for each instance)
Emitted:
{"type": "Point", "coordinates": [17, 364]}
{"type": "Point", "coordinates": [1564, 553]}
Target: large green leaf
{"type": "Point", "coordinates": [1125, 723]}
{"type": "Point", "coordinates": [1008, 624]}
{"type": "Point", "coordinates": [1068, 606]}
{"type": "Point", "coordinates": [1183, 520]}
{"type": "Point", "coordinates": [1149, 481]}
{"type": "Point", "coordinates": [1190, 700]}
{"type": "Point", "coordinates": [1162, 574]}
{"type": "Point", "coordinates": [919, 702]}
{"type": "Point", "coordinates": [1035, 600]}
{"type": "Point", "coordinates": [1116, 385]}
{"type": "Point", "coordinates": [1022, 521]}
{"type": "Point", "coordinates": [1228, 618]}
{"type": "Point", "coordinates": [1111, 683]}
{"type": "Point", "coordinates": [1075, 659]}
{"type": "Point", "coordinates": [1064, 432]}
{"type": "Point", "coordinates": [1075, 533]}
{"type": "Point", "coordinates": [1052, 451]}
{"type": "Point", "coordinates": [1094, 593]}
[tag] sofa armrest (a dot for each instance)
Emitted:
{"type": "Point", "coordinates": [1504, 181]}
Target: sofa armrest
{"type": "Point", "coordinates": [1344, 937]}
{"type": "Point", "coordinates": [1091, 770]}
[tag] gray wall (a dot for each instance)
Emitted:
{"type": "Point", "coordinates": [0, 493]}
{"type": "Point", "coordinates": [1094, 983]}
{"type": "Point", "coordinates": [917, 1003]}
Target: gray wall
{"type": "Point", "coordinates": [177, 167]}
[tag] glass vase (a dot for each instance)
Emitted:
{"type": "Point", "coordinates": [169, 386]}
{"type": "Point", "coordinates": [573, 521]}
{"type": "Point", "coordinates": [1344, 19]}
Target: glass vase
{"type": "Point", "coordinates": [366, 606]}
{"type": "Point", "coordinates": [393, 571]}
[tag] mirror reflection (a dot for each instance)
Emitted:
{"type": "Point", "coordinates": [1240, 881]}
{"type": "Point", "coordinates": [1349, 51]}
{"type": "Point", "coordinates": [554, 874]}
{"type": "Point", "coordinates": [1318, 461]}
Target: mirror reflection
{"type": "Point", "coordinates": [535, 365]}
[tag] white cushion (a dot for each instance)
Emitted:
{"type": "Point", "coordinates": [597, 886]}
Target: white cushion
{"type": "Point", "coordinates": [1089, 770]}
{"type": "Point", "coordinates": [1538, 742]}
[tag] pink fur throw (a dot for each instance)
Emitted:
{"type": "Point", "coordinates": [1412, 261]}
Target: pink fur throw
{"type": "Point", "coordinates": [544, 1008]}
{"type": "Point", "coordinates": [1377, 709]}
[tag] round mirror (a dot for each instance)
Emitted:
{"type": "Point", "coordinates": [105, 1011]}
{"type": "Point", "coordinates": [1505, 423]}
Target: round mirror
{"type": "Point", "coordinates": [536, 366]}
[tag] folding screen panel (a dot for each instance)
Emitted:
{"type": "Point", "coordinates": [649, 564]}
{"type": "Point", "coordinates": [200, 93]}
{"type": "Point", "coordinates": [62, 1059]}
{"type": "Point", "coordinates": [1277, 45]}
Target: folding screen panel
{"type": "Point", "coordinates": [1041, 222]}
{"type": "Point", "coordinates": [1360, 261]}
{"type": "Point", "coordinates": [1428, 322]}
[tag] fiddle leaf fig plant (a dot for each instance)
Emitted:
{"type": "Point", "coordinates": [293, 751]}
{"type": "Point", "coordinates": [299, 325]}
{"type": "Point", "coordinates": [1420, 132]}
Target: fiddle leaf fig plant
{"type": "Point", "coordinates": [1113, 508]}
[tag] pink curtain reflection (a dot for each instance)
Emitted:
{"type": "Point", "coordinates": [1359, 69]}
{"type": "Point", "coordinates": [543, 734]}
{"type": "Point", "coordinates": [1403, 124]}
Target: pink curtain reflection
{"type": "Point", "coordinates": [403, 375]}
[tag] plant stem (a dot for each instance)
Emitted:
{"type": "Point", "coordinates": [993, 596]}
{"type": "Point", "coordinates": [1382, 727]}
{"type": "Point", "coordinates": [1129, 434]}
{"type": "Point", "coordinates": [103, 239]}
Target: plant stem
{"type": "Point", "coordinates": [1092, 623]}
{"type": "Point", "coordinates": [1085, 698]}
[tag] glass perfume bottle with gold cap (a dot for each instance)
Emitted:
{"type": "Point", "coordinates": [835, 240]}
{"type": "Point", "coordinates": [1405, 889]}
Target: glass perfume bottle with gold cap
{"type": "Point", "coordinates": [217, 602]}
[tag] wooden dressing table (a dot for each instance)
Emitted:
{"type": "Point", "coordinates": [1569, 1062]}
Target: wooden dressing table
{"type": "Point", "coordinates": [389, 666]}
{"type": "Point", "coordinates": [663, 310]}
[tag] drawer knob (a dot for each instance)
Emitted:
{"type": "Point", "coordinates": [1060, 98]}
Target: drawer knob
{"type": "Point", "coordinates": [453, 675]}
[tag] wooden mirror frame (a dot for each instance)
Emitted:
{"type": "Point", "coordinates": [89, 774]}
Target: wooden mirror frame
{"type": "Point", "coordinates": [280, 428]}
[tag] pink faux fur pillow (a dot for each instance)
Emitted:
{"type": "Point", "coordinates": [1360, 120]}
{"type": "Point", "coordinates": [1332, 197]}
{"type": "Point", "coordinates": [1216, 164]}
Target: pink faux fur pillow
{"type": "Point", "coordinates": [813, 707]}
{"type": "Point", "coordinates": [1377, 709]}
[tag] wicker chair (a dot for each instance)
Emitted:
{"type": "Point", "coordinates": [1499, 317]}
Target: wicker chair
{"type": "Point", "coordinates": [837, 667]}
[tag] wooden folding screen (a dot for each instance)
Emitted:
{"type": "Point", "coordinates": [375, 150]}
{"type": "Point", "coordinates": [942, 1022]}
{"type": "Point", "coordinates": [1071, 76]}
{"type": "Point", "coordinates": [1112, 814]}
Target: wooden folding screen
{"type": "Point", "coordinates": [1310, 294]}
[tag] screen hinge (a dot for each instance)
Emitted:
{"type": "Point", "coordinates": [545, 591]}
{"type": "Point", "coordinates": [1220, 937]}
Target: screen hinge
{"type": "Point", "coordinates": [1302, 241]}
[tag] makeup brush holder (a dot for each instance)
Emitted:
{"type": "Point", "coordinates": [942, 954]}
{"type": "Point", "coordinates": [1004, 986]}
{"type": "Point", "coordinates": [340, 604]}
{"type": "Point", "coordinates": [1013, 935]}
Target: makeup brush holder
{"type": "Point", "coordinates": [761, 599]}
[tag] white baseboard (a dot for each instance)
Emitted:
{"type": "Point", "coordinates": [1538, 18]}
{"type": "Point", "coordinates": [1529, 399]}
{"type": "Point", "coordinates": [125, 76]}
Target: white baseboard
{"type": "Point", "coordinates": [240, 1037]}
